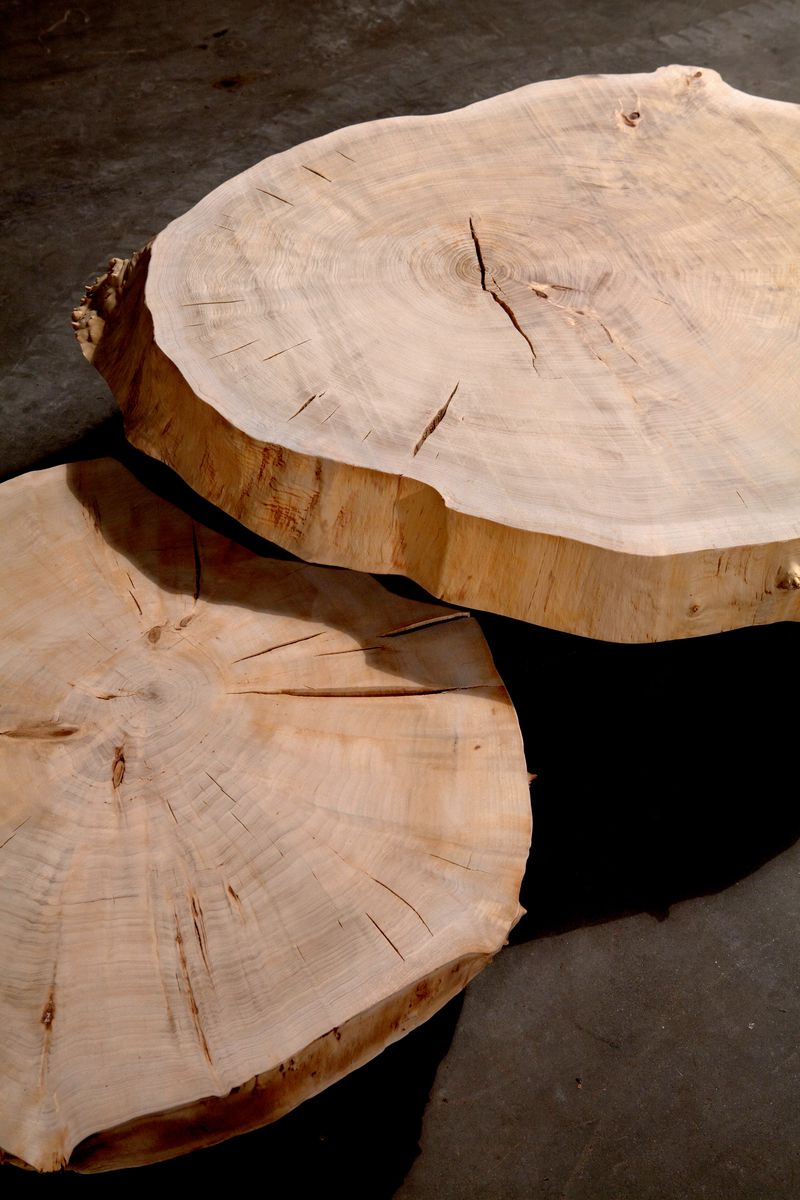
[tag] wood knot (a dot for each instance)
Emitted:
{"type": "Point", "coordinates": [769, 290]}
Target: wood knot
{"type": "Point", "coordinates": [118, 767]}
{"type": "Point", "coordinates": [790, 580]}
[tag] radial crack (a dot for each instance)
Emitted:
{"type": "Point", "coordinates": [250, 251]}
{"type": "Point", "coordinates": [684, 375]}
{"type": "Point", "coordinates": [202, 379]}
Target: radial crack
{"type": "Point", "coordinates": [506, 307]}
{"type": "Point", "coordinates": [201, 303]}
{"type": "Point", "coordinates": [303, 406]}
{"type": "Point", "coordinates": [278, 646]}
{"type": "Point", "coordinates": [359, 692]}
{"type": "Point", "coordinates": [434, 422]}
{"type": "Point", "coordinates": [415, 626]}
{"type": "Point", "coordinates": [233, 349]}
{"type": "Point", "coordinates": [313, 172]}
{"type": "Point", "coordinates": [275, 196]}
{"type": "Point", "coordinates": [278, 353]}
{"type": "Point", "coordinates": [478, 253]}
{"type": "Point", "coordinates": [407, 903]}
{"type": "Point", "coordinates": [198, 564]}
{"type": "Point", "coordinates": [46, 730]}
{"type": "Point", "coordinates": [375, 879]}
{"type": "Point", "coordinates": [14, 831]}
{"type": "Point", "coordinates": [221, 788]}
{"type": "Point", "coordinates": [508, 310]}
{"type": "Point", "coordinates": [386, 936]}
{"type": "Point", "coordinates": [190, 994]}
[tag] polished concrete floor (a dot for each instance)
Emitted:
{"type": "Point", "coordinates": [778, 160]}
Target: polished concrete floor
{"type": "Point", "coordinates": [639, 1038]}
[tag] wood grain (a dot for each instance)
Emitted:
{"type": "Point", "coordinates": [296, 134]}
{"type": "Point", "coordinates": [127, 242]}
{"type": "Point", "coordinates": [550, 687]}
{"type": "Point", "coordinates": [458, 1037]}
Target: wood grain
{"type": "Point", "coordinates": [257, 820]}
{"type": "Point", "coordinates": [541, 354]}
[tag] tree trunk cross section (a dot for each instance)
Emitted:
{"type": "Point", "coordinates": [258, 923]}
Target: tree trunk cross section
{"type": "Point", "coordinates": [540, 354]}
{"type": "Point", "coordinates": [258, 819]}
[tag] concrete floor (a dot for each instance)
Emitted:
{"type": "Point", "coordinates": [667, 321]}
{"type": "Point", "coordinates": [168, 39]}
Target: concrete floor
{"type": "Point", "coordinates": [639, 1038]}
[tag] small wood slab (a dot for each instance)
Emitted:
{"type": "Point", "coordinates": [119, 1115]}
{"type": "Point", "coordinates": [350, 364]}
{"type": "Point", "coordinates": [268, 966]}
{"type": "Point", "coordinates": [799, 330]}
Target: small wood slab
{"type": "Point", "coordinates": [541, 354]}
{"type": "Point", "coordinates": [258, 819]}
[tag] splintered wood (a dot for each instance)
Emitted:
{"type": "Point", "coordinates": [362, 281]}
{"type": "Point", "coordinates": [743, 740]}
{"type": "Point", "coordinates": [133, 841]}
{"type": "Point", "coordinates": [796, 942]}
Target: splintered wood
{"type": "Point", "coordinates": [541, 354]}
{"type": "Point", "coordinates": [258, 819]}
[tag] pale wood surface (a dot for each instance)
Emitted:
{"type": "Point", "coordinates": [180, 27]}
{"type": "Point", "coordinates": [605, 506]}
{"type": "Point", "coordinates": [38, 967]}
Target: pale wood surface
{"type": "Point", "coordinates": [541, 353]}
{"type": "Point", "coordinates": [257, 820]}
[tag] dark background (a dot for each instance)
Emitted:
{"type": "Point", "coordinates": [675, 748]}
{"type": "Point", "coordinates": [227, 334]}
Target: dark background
{"type": "Point", "coordinates": [639, 1038]}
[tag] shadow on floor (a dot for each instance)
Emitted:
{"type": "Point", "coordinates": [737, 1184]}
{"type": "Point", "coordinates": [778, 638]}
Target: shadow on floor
{"type": "Point", "coordinates": [663, 771]}
{"type": "Point", "coordinates": [357, 1139]}
{"type": "Point", "coordinates": [107, 438]}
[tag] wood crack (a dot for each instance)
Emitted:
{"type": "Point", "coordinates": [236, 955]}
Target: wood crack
{"type": "Point", "coordinates": [374, 878]}
{"type": "Point", "coordinates": [233, 349]}
{"type": "Point", "coordinates": [221, 788]}
{"type": "Point", "coordinates": [386, 936]}
{"type": "Point", "coordinates": [278, 353]}
{"type": "Point", "coordinates": [360, 692]}
{"type": "Point", "coordinates": [14, 832]}
{"type": "Point", "coordinates": [203, 303]}
{"type": "Point", "coordinates": [351, 650]}
{"type": "Point", "coordinates": [132, 593]}
{"type": "Point", "coordinates": [305, 405]}
{"type": "Point", "coordinates": [275, 196]}
{"type": "Point", "coordinates": [452, 861]}
{"type": "Point", "coordinates": [190, 996]}
{"type": "Point", "coordinates": [416, 626]}
{"type": "Point", "coordinates": [506, 307]}
{"type": "Point", "coordinates": [198, 564]}
{"type": "Point", "coordinates": [200, 930]}
{"type": "Point", "coordinates": [313, 172]}
{"type": "Point", "coordinates": [46, 731]}
{"type": "Point", "coordinates": [278, 646]}
{"type": "Point", "coordinates": [47, 1017]}
{"type": "Point", "coordinates": [434, 422]}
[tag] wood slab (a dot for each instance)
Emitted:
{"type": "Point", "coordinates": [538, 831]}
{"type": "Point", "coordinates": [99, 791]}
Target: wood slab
{"type": "Point", "coordinates": [541, 354]}
{"type": "Point", "coordinates": [258, 819]}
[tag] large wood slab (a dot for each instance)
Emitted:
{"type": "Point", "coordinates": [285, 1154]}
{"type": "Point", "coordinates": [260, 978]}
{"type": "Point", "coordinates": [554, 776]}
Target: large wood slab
{"type": "Point", "coordinates": [540, 354]}
{"type": "Point", "coordinates": [257, 820]}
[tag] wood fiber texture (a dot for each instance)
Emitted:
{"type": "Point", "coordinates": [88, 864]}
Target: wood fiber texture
{"type": "Point", "coordinates": [258, 819]}
{"type": "Point", "coordinates": [540, 354]}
